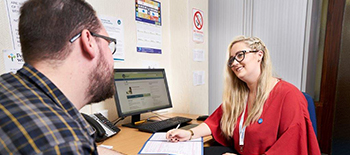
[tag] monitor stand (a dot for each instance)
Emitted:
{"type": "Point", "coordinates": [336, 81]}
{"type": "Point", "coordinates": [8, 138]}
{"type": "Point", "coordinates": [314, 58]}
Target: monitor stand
{"type": "Point", "coordinates": [134, 119]}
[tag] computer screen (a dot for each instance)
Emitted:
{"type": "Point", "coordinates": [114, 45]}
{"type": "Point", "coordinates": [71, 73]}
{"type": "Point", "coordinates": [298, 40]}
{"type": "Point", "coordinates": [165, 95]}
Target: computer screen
{"type": "Point", "coordinates": [139, 91]}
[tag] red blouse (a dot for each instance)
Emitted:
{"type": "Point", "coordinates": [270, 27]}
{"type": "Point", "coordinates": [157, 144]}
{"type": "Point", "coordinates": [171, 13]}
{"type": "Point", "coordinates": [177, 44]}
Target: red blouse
{"type": "Point", "coordinates": [285, 128]}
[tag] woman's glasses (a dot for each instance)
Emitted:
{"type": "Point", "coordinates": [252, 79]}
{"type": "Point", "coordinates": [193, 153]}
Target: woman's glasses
{"type": "Point", "coordinates": [239, 57]}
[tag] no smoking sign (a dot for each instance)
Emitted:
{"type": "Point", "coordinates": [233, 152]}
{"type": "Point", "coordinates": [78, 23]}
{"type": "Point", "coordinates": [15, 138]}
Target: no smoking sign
{"type": "Point", "coordinates": [198, 22]}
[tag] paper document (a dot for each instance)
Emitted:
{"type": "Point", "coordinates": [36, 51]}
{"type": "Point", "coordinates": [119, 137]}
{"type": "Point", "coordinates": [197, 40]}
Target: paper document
{"type": "Point", "coordinates": [157, 144]}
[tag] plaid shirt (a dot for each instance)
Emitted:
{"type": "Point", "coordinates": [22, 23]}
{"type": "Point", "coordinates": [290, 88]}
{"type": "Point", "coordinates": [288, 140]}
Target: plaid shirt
{"type": "Point", "coordinates": [36, 118]}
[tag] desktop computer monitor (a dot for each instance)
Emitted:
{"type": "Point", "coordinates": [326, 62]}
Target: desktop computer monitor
{"type": "Point", "coordinates": [139, 91]}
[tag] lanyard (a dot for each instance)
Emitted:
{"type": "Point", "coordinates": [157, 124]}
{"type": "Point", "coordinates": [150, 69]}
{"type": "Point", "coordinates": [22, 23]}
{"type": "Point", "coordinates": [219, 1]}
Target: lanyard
{"type": "Point", "coordinates": [242, 128]}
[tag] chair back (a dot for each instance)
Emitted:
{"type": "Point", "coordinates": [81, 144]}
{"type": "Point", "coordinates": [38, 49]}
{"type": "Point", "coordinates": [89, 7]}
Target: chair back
{"type": "Point", "coordinates": [312, 111]}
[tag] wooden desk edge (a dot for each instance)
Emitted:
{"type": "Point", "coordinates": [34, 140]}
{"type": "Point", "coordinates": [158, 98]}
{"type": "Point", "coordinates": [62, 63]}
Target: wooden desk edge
{"type": "Point", "coordinates": [130, 140]}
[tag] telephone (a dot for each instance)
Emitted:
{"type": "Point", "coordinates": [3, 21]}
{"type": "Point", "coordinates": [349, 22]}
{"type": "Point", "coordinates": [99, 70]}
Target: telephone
{"type": "Point", "coordinates": [103, 127]}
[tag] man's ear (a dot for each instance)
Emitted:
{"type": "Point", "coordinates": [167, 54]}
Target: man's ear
{"type": "Point", "coordinates": [88, 43]}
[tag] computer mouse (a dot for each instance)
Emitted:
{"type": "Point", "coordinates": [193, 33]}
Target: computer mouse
{"type": "Point", "coordinates": [202, 118]}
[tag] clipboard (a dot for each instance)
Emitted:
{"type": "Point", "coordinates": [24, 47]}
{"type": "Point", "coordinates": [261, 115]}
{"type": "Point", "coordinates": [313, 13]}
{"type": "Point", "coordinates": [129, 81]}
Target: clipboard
{"type": "Point", "coordinates": [157, 144]}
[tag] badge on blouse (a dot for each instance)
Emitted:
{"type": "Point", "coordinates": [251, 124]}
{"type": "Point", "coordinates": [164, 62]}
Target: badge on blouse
{"type": "Point", "coordinates": [260, 120]}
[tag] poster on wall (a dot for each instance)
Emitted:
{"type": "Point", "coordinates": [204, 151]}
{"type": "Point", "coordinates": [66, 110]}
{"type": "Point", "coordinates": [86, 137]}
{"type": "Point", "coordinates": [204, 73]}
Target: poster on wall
{"type": "Point", "coordinates": [13, 12]}
{"type": "Point", "coordinates": [149, 26]}
{"type": "Point", "coordinates": [198, 78]}
{"type": "Point", "coordinates": [198, 55]}
{"type": "Point", "coordinates": [148, 11]}
{"type": "Point", "coordinates": [115, 29]}
{"type": "Point", "coordinates": [12, 60]}
{"type": "Point", "coordinates": [197, 22]}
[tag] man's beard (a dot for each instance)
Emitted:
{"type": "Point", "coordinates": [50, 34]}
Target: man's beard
{"type": "Point", "coordinates": [101, 85]}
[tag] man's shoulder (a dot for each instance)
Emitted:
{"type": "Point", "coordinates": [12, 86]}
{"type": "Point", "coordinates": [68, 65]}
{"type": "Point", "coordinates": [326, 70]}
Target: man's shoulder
{"type": "Point", "coordinates": [8, 86]}
{"type": "Point", "coordinates": [39, 132]}
{"type": "Point", "coordinates": [15, 89]}
{"type": "Point", "coordinates": [6, 80]}
{"type": "Point", "coordinates": [28, 126]}
{"type": "Point", "coordinates": [11, 80]}
{"type": "Point", "coordinates": [24, 101]}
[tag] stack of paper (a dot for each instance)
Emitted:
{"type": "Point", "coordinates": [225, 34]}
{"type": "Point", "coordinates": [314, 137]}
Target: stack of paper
{"type": "Point", "coordinates": [157, 144]}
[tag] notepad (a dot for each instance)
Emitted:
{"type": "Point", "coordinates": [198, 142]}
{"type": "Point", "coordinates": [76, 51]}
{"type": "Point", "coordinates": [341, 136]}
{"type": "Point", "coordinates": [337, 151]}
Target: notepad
{"type": "Point", "coordinates": [157, 144]}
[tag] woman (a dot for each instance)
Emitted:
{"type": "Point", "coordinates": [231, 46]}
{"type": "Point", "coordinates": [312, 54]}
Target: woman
{"type": "Point", "coordinates": [275, 116]}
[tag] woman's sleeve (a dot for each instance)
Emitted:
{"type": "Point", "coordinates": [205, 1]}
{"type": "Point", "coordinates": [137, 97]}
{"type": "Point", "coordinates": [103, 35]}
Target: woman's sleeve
{"type": "Point", "coordinates": [213, 121]}
{"type": "Point", "coordinates": [295, 135]}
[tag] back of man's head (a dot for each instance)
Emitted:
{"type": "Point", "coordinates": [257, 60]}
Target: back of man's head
{"type": "Point", "coordinates": [46, 26]}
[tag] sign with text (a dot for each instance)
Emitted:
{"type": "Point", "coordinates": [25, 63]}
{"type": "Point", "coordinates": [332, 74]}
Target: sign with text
{"type": "Point", "coordinates": [115, 29]}
{"type": "Point", "coordinates": [148, 11]}
{"type": "Point", "coordinates": [13, 60]}
{"type": "Point", "coordinates": [148, 26]}
{"type": "Point", "coordinates": [13, 11]}
{"type": "Point", "coordinates": [198, 22]}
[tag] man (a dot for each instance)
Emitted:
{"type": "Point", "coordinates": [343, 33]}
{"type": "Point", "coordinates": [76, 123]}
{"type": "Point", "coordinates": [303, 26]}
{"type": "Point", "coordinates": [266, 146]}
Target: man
{"type": "Point", "coordinates": [68, 64]}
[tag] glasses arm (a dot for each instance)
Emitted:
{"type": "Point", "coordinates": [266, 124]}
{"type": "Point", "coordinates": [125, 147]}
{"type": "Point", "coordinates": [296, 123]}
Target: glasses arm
{"type": "Point", "coordinates": [93, 34]}
{"type": "Point", "coordinates": [75, 37]}
{"type": "Point", "coordinates": [108, 39]}
{"type": "Point", "coordinates": [104, 37]}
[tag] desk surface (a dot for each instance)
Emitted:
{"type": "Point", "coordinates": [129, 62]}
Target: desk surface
{"type": "Point", "coordinates": [130, 141]}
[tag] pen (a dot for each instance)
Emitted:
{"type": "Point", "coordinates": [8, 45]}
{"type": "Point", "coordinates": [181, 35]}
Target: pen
{"type": "Point", "coordinates": [140, 122]}
{"type": "Point", "coordinates": [178, 126]}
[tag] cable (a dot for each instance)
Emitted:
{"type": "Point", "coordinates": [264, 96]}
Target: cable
{"type": "Point", "coordinates": [118, 120]}
{"type": "Point", "coordinates": [154, 116]}
{"type": "Point", "coordinates": [157, 115]}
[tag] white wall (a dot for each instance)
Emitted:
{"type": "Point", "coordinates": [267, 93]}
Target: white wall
{"type": "Point", "coordinates": [189, 98]}
{"type": "Point", "coordinates": [5, 35]}
{"type": "Point", "coordinates": [284, 26]}
{"type": "Point", "coordinates": [176, 57]}
{"type": "Point", "coordinates": [226, 22]}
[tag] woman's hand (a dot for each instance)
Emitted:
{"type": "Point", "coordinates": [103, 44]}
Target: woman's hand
{"type": "Point", "coordinates": [178, 135]}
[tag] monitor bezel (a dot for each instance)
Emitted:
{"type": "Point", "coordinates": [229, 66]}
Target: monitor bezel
{"type": "Point", "coordinates": [116, 98]}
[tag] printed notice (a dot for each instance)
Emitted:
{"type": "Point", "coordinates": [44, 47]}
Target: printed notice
{"type": "Point", "coordinates": [13, 60]}
{"type": "Point", "coordinates": [158, 144]}
{"type": "Point", "coordinates": [198, 22]}
{"type": "Point", "coordinates": [115, 29]}
{"type": "Point", "coordinates": [149, 26]}
{"type": "Point", "coordinates": [198, 78]}
{"type": "Point", "coordinates": [148, 11]}
{"type": "Point", "coordinates": [13, 12]}
{"type": "Point", "coordinates": [149, 38]}
{"type": "Point", "coordinates": [198, 55]}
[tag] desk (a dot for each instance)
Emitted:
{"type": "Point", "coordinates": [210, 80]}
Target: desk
{"type": "Point", "coordinates": [130, 140]}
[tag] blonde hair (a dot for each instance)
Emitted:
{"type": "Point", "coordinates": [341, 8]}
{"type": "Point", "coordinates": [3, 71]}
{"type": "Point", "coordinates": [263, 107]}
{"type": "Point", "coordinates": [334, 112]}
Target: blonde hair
{"type": "Point", "coordinates": [236, 91]}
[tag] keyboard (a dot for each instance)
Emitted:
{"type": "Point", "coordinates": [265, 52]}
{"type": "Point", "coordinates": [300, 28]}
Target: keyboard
{"type": "Point", "coordinates": [163, 125]}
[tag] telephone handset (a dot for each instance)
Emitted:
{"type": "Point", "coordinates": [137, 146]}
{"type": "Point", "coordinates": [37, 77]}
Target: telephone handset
{"type": "Point", "coordinates": [103, 127]}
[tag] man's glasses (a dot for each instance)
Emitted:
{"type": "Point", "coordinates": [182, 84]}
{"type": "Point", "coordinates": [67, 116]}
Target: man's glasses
{"type": "Point", "coordinates": [112, 43]}
{"type": "Point", "coordinates": [239, 57]}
